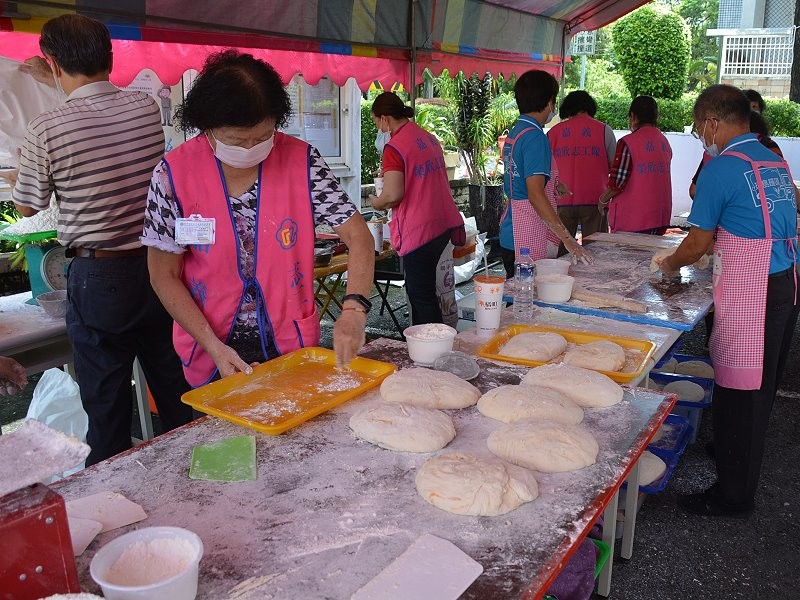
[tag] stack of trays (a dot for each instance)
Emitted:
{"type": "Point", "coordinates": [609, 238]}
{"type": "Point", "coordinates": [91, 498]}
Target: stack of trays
{"type": "Point", "coordinates": [685, 408]}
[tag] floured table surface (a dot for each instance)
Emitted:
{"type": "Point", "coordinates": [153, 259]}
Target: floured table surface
{"type": "Point", "coordinates": [329, 512]}
{"type": "Point", "coordinates": [624, 269]}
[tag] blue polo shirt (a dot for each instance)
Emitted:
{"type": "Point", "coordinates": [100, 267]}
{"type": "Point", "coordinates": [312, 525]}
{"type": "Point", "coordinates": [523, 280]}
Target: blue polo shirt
{"type": "Point", "coordinates": [531, 157]}
{"type": "Point", "coordinates": [727, 196]}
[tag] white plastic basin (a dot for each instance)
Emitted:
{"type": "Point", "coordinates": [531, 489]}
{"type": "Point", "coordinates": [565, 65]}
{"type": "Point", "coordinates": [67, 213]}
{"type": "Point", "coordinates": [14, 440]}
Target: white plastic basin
{"type": "Point", "coordinates": [167, 565]}
{"type": "Point", "coordinates": [554, 288]}
{"type": "Point", "coordinates": [428, 342]}
{"type": "Point", "coordinates": [550, 266]}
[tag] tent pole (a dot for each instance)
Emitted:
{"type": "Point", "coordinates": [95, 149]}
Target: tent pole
{"type": "Point", "coordinates": [564, 35]}
{"type": "Point", "coordinates": [413, 32]}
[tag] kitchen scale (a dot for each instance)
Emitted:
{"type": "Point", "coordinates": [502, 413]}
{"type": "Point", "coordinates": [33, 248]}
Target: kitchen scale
{"type": "Point", "coordinates": [47, 261]}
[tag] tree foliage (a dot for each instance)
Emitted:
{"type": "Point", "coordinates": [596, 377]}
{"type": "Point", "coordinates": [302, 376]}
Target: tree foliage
{"type": "Point", "coordinates": [701, 15]}
{"type": "Point", "coordinates": [653, 49]}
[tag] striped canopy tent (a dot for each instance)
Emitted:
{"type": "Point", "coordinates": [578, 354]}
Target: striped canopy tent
{"type": "Point", "coordinates": [371, 40]}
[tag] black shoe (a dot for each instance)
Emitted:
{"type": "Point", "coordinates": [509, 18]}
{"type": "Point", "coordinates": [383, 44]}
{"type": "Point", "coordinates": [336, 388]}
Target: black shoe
{"type": "Point", "coordinates": [710, 450]}
{"type": "Point", "coordinates": [705, 505]}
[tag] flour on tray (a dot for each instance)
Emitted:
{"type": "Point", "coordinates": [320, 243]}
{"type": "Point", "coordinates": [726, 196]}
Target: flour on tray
{"type": "Point", "coordinates": [340, 382]}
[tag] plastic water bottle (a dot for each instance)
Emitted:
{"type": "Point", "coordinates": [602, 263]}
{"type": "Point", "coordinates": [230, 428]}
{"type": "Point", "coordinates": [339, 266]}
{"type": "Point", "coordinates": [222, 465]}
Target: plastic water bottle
{"type": "Point", "coordinates": [523, 283]}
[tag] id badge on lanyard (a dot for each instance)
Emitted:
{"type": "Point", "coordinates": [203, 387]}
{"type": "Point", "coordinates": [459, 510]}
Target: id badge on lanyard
{"type": "Point", "coordinates": [195, 230]}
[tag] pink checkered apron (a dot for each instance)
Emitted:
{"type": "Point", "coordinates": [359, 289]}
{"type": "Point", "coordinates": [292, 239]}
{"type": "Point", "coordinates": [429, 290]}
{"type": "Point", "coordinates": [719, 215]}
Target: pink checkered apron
{"type": "Point", "coordinates": [529, 229]}
{"type": "Point", "coordinates": [741, 271]}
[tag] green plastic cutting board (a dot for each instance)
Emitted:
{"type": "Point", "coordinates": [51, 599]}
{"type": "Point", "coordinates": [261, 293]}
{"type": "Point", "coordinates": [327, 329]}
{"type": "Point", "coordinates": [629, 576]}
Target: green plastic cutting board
{"type": "Point", "coordinates": [229, 459]}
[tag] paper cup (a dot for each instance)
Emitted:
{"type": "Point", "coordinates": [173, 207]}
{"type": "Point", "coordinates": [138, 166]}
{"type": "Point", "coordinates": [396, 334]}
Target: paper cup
{"type": "Point", "coordinates": [378, 186]}
{"type": "Point", "coordinates": [488, 303]}
{"type": "Point", "coordinates": [376, 229]}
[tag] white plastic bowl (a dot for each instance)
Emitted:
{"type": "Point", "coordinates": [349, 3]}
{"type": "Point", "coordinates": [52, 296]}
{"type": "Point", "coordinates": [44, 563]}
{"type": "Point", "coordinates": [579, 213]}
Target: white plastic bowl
{"type": "Point", "coordinates": [54, 303]}
{"type": "Point", "coordinates": [181, 586]}
{"type": "Point", "coordinates": [554, 288]}
{"type": "Point", "coordinates": [551, 266]}
{"type": "Point", "coordinates": [428, 342]}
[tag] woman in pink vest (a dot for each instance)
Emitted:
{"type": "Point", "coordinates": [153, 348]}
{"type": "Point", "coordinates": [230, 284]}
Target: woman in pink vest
{"type": "Point", "coordinates": [230, 224]}
{"type": "Point", "coordinates": [583, 148]}
{"type": "Point", "coordinates": [416, 188]}
{"type": "Point", "coordinates": [639, 193]}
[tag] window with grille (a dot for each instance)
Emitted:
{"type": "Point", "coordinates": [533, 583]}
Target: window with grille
{"type": "Point", "coordinates": [763, 55]}
{"type": "Point", "coordinates": [779, 13]}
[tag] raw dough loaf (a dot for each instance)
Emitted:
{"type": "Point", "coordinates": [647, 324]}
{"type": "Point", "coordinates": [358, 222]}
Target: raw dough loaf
{"type": "Point", "coordinates": [686, 390]}
{"type": "Point", "coordinates": [695, 368]}
{"type": "Point", "coordinates": [509, 403]}
{"type": "Point", "coordinates": [429, 389]}
{"type": "Point", "coordinates": [540, 346]}
{"type": "Point", "coordinates": [600, 356]}
{"type": "Point", "coordinates": [468, 485]}
{"type": "Point", "coordinates": [669, 366]}
{"type": "Point", "coordinates": [403, 427]}
{"type": "Point", "coordinates": [585, 388]}
{"type": "Point", "coordinates": [651, 468]}
{"type": "Point", "coordinates": [655, 263]}
{"type": "Point", "coordinates": [544, 446]}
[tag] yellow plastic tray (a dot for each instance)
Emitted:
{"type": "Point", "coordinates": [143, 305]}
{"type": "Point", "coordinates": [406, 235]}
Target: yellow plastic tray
{"type": "Point", "coordinates": [288, 390]}
{"type": "Point", "coordinates": [491, 349]}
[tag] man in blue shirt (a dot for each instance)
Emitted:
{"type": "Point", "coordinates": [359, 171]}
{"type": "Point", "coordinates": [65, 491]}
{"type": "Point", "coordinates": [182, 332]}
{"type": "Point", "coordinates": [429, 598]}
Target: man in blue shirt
{"type": "Point", "coordinates": [745, 207]}
{"type": "Point", "coordinates": [526, 162]}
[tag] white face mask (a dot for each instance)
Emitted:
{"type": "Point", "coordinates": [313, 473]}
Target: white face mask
{"type": "Point", "coordinates": [551, 115]}
{"type": "Point", "coordinates": [243, 158]}
{"type": "Point", "coordinates": [382, 139]}
{"type": "Point", "coordinates": [712, 150]}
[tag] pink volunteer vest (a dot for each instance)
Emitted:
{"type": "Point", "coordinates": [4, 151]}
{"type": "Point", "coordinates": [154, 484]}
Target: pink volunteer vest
{"type": "Point", "coordinates": [646, 201]}
{"type": "Point", "coordinates": [428, 209]}
{"type": "Point", "coordinates": [284, 242]}
{"type": "Point", "coordinates": [579, 149]}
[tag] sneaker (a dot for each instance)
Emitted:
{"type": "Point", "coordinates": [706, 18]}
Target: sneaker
{"type": "Point", "coordinates": [705, 505]}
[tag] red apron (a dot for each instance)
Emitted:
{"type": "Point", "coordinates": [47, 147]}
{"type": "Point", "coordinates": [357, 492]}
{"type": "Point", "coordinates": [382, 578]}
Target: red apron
{"type": "Point", "coordinates": [529, 229]}
{"type": "Point", "coordinates": [741, 272]}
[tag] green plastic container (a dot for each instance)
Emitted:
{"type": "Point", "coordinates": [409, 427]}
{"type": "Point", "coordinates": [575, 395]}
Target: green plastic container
{"type": "Point", "coordinates": [602, 558]}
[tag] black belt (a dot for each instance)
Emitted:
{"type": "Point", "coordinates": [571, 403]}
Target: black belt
{"type": "Point", "coordinates": [98, 253]}
{"type": "Point", "coordinates": [782, 273]}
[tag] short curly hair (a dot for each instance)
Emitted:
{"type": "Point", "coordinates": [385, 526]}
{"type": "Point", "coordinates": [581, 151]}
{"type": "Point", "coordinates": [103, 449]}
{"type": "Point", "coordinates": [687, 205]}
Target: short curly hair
{"type": "Point", "coordinates": [234, 90]}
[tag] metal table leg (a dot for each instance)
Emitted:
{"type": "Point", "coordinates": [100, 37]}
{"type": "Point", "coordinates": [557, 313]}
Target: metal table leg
{"type": "Point", "coordinates": [609, 537]}
{"type": "Point", "coordinates": [631, 507]}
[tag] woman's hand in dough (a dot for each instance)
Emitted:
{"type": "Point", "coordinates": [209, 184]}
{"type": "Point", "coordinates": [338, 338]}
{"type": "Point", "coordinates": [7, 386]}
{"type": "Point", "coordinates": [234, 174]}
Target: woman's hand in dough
{"type": "Point", "coordinates": [666, 267]}
{"type": "Point", "coordinates": [228, 361]}
{"type": "Point", "coordinates": [577, 252]}
{"type": "Point", "coordinates": [348, 335]}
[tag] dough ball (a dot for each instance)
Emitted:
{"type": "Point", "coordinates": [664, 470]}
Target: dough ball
{"type": "Point", "coordinates": [703, 262]}
{"type": "Point", "coordinates": [585, 388]}
{"type": "Point", "coordinates": [655, 262]}
{"type": "Point", "coordinates": [540, 346]}
{"type": "Point", "coordinates": [653, 385]}
{"type": "Point", "coordinates": [686, 390]}
{"type": "Point", "coordinates": [468, 485]}
{"type": "Point", "coordinates": [510, 403]}
{"type": "Point", "coordinates": [544, 446]}
{"type": "Point", "coordinates": [651, 468]}
{"type": "Point", "coordinates": [599, 356]}
{"type": "Point", "coordinates": [403, 427]}
{"type": "Point", "coordinates": [695, 368]}
{"type": "Point", "coordinates": [665, 429]}
{"type": "Point", "coordinates": [669, 366]}
{"type": "Point", "coordinates": [429, 389]}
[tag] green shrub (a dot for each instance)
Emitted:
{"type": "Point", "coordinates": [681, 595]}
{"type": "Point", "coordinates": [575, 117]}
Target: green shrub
{"type": "Point", "coordinates": [653, 48]}
{"type": "Point", "coordinates": [783, 117]}
{"type": "Point", "coordinates": [673, 115]}
{"type": "Point", "coordinates": [370, 159]}
{"type": "Point", "coordinates": [437, 118]}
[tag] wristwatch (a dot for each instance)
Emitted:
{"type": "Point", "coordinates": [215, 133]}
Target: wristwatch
{"type": "Point", "coordinates": [360, 299]}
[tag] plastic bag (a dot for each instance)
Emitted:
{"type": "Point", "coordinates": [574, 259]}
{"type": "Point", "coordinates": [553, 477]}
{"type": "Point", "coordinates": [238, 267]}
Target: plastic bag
{"type": "Point", "coordinates": [56, 402]}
